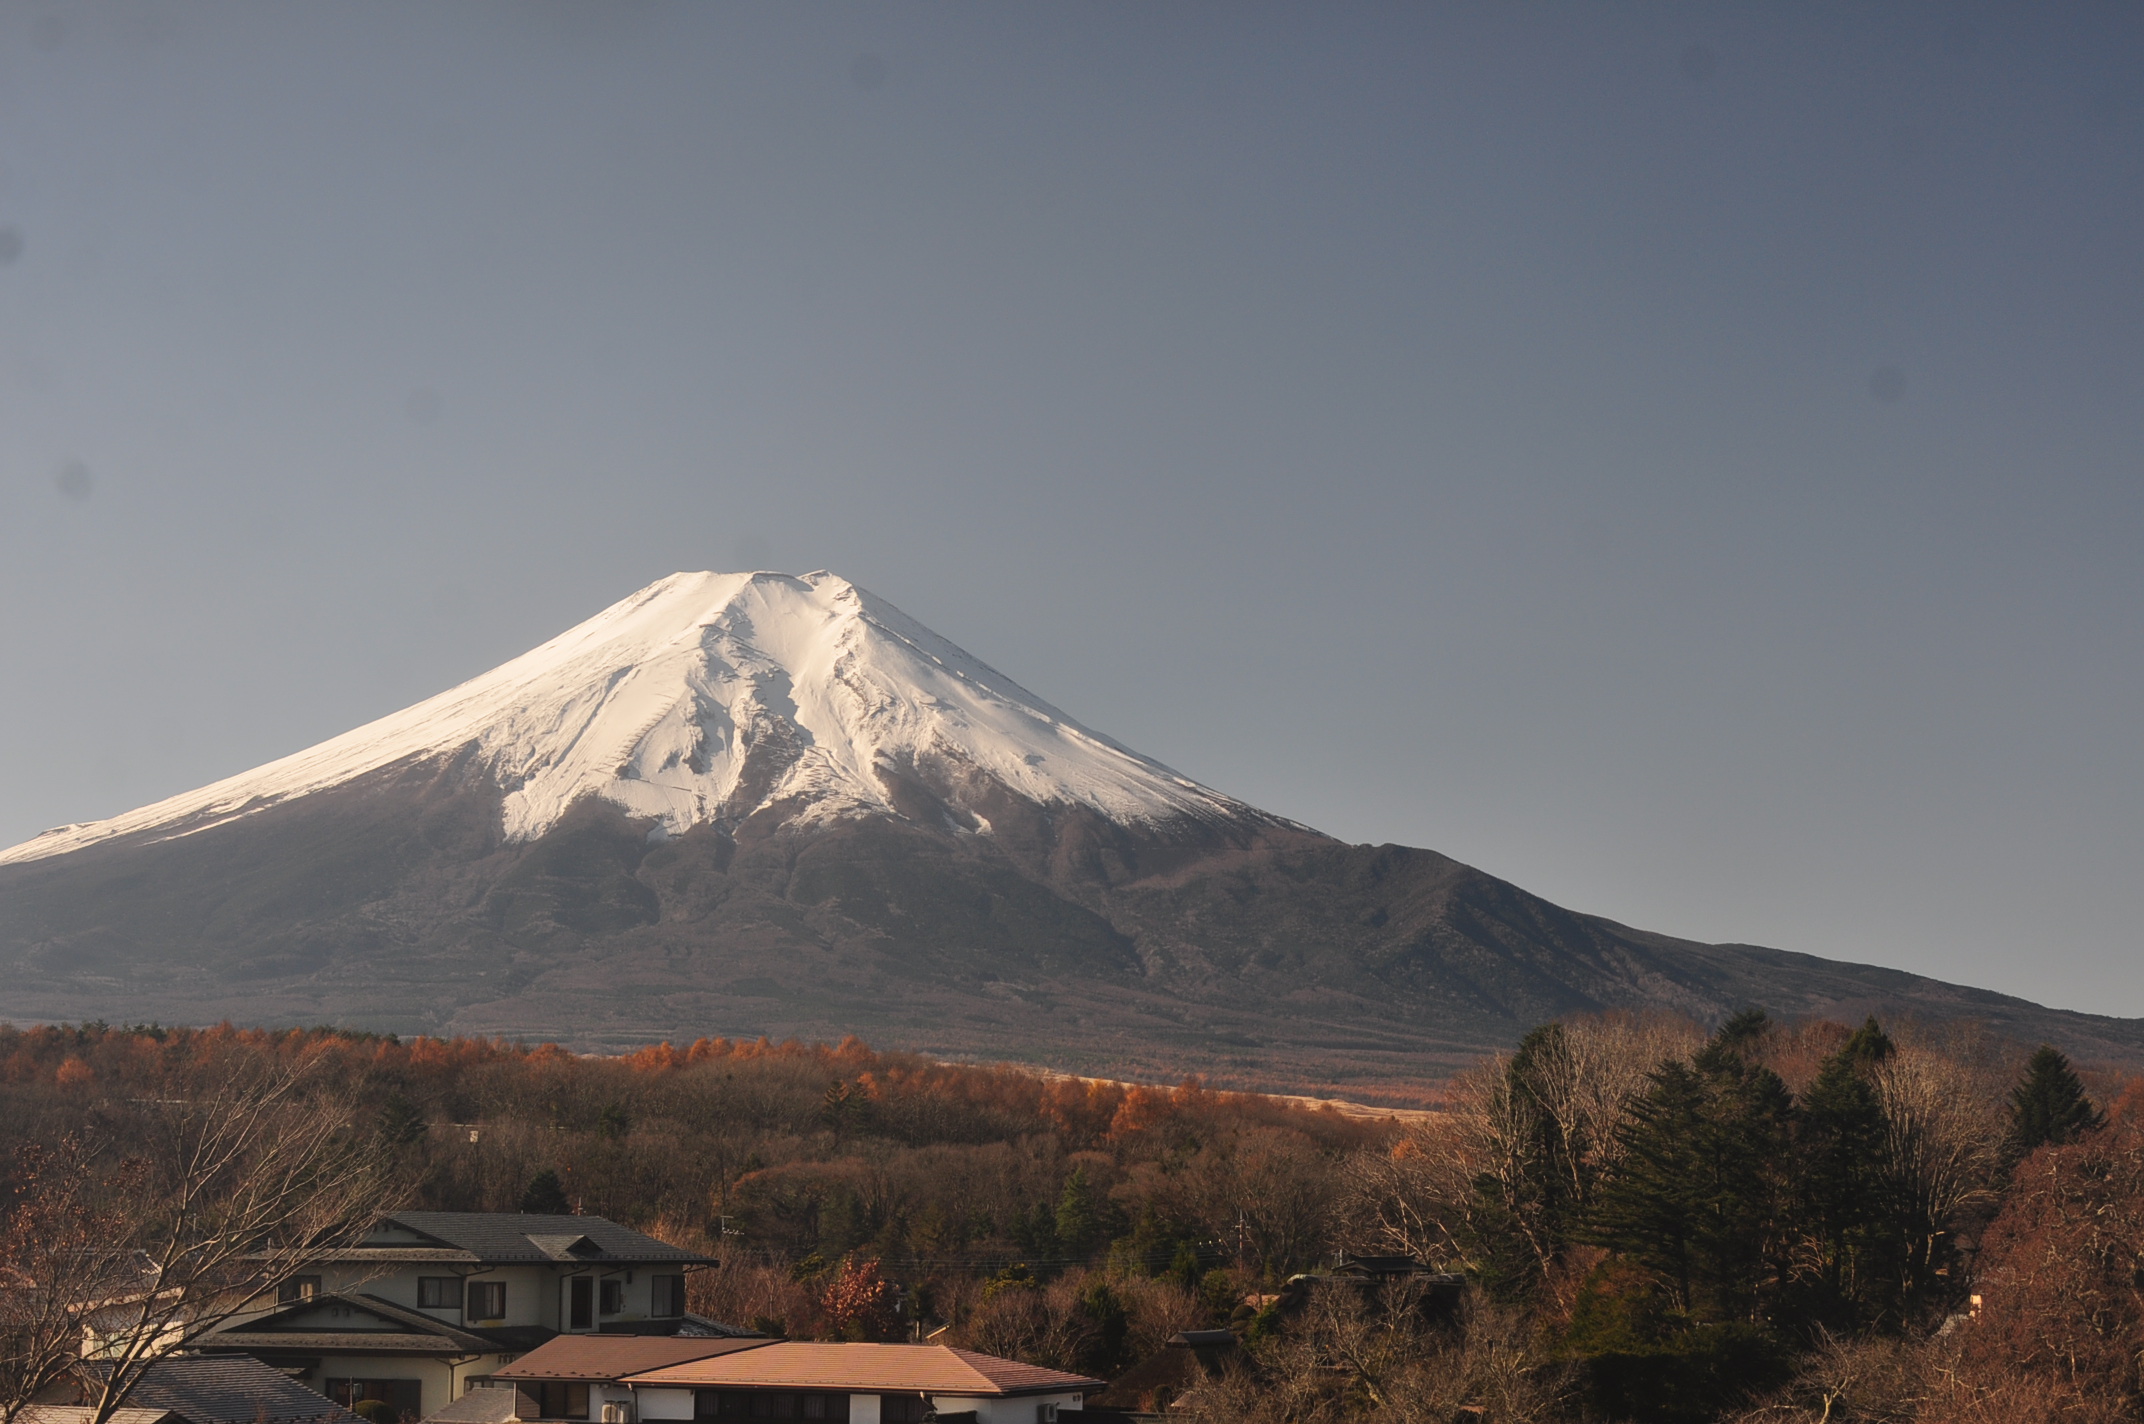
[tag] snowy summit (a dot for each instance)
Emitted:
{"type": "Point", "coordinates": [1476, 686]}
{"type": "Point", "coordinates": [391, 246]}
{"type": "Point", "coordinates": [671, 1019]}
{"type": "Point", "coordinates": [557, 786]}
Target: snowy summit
{"type": "Point", "coordinates": [706, 697]}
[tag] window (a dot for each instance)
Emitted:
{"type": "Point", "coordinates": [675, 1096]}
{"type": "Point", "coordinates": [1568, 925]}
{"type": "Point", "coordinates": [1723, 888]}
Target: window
{"type": "Point", "coordinates": [487, 1300]}
{"type": "Point", "coordinates": [439, 1292]}
{"type": "Point", "coordinates": [559, 1399]}
{"type": "Point", "coordinates": [741, 1404]}
{"type": "Point", "coordinates": [581, 1292]}
{"type": "Point", "coordinates": [902, 1408]}
{"type": "Point", "coordinates": [669, 1295]}
{"type": "Point", "coordinates": [297, 1289]}
{"type": "Point", "coordinates": [404, 1396]}
{"type": "Point", "coordinates": [613, 1298]}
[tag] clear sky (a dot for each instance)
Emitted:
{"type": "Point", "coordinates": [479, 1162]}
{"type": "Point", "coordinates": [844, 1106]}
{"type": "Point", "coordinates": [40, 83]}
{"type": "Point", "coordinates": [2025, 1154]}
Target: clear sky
{"type": "Point", "coordinates": [1684, 459]}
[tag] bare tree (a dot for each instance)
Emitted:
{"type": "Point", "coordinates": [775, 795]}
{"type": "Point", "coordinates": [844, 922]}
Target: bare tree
{"type": "Point", "coordinates": [1944, 1133]}
{"type": "Point", "coordinates": [1421, 1196]}
{"type": "Point", "coordinates": [67, 1241]}
{"type": "Point", "coordinates": [1412, 1198]}
{"type": "Point", "coordinates": [231, 1190]}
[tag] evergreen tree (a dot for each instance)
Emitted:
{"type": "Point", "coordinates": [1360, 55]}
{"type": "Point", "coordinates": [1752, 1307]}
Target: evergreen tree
{"type": "Point", "coordinates": [546, 1195]}
{"type": "Point", "coordinates": [614, 1122]}
{"type": "Point", "coordinates": [1851, 1263]}
{"type": "Point", "coordinates": [1079, 1216]}
{"type": "Point", "coordinates": [1869, 1045]}
{"type": "Point", "coordinates": [1034, 1231]}
{"type": "Point", "coordinates": [1701, 1198]}
{"type": "Point", "coordinates": [1105, 1354]}
{"type": "Point", "coordinates": [401, 1123]}
{"type": "Point", "coordinates": [2048, 1106]}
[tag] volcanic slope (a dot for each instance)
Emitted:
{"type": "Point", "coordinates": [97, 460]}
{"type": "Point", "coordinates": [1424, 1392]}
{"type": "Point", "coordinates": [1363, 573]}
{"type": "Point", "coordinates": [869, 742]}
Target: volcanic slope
{"type": "Point", "coordinates": [754, 803]}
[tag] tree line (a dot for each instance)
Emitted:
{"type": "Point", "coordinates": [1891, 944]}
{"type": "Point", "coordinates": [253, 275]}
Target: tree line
{"type": "Point", "coordinates": [1654, 1221]}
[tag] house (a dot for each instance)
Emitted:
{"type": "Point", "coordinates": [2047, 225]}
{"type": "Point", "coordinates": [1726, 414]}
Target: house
{"type": "Point", "coordinates": [855, 1384]}
{"type": "Point", "coordinates": [199, 1390]}
{"type": "Point", "coordinates": [576, 1376]}
{"type": "Point", "coordinates": [429, 1304]}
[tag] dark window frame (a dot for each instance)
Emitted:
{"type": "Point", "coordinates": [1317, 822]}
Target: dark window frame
{"type": "Point", "coordinates": [666, 1296]}
{"type": "Point", "coordinates": [482, 1295]}
{"type": "Point", "coordinates": [580, 1303]}
{"type": "Point", "coordinates": [562, 1399]}
{"type": "Point", "coordinates": [773, 1404]}
{"type": "Point", "coordinates": [406, 1395]}
{"type": "Point", "coordinates": [439, 1293]}
{"type": "Point", "coordinates": [296, 1290]}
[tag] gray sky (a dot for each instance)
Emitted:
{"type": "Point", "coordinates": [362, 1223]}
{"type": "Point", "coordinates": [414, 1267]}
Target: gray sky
{"type": "Point", "coordinates": [1684, 459]}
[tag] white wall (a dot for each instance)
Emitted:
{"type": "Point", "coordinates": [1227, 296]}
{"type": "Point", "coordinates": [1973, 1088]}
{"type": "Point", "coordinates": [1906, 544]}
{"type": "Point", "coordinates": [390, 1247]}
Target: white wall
{"type": "Point", "coordinates": [1018, 1410]}
{"type": "Point", "coordinates": [675, 1404]}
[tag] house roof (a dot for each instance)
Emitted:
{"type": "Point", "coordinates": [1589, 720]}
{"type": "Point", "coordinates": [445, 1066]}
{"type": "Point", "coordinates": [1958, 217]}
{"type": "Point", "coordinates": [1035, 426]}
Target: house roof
{"type": "Point", "coordinates": [231, 1389]}
{"type": "Point", "coordinates": [82, 1413]}
{"type": "Point", "coordinates": [379, 1327]}
{"type": "Point", "coordinates": [612, 1357]}
{"type": "Point", "coordinates": [502, 1238]}
{"type": "Point", "coordinates": [929, 1369]}
{"type": "Point", "coordinates": [1189, 1357]}
{"type": "Point", "coordinates": [478, 1406]}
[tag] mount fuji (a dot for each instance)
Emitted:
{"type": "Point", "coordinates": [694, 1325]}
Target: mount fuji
{"type": "Point", "coordinates": [756, 803]}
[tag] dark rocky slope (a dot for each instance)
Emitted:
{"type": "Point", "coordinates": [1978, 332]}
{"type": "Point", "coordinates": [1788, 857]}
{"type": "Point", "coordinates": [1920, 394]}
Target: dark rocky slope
{"type": "Point", "coordinates": [1254, 952]}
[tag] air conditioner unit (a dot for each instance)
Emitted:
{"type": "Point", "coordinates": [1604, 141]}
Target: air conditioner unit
{"type": "Point", "coordinates": [1045, 1414]}
{"type": "Point", "coordinates": [616, 1414]}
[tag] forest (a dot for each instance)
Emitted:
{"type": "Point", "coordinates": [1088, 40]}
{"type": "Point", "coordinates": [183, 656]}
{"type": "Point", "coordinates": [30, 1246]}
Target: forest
{"type": "Point", "coordinates": [1653, 1221]}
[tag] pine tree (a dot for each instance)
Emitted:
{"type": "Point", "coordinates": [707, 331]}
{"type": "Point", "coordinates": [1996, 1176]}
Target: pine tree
{"type": "Point", "coordinates": [1079, 1218]}
{"type": "Point", "coordinates": [1869, 1045]}
{"type": "Point", "coordinates": [546, 1195]}
{"type": "Point", "coordinates": [1851, 1259]}
{"type": "Point", "coordinates": [401, 1122]}
{"type": "Point", "coordinates": [1700, 1199]}
{"type": "Point", "coordinates": [2048, 1106]}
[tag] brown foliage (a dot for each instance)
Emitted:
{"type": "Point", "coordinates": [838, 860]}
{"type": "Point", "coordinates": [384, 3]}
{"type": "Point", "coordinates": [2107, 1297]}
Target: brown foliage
{"type": "Point", "coordinates": [2061, 1271]}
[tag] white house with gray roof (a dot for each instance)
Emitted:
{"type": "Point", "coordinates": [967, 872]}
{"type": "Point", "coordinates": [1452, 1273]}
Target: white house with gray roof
{"type": "Point", "coordinates": [431, 1303]}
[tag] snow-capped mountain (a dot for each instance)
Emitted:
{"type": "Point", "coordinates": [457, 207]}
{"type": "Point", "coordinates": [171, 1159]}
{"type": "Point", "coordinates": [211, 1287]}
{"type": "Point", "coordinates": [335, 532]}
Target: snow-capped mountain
{"type": "Point", "coordinates": [706, 697]}
{"type": "Point", "coordinates": [756, 804]}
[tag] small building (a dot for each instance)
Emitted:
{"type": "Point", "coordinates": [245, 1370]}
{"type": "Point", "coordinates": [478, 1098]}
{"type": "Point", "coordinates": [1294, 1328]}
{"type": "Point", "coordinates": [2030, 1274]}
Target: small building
{"type": "Point", "coordinates": [856, 1384]}
{"type": "Point", "coordinates": [579, 1376]}
{"type": "Point", "coordinates": [431, 1304]}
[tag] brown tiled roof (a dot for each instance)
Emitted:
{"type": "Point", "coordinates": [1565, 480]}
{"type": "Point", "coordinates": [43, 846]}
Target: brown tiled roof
{"type": "Point", "coordinates": [610, 1357]}
{"type": "Point", "coordinates": [933, 1369]}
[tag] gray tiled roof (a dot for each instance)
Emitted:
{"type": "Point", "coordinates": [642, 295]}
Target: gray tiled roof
{"type": "Point", "coordinates": [232, 1389]}
{"type": "Point", "coordinates": [478, 1406]}
{"type": "Point", "coordinates": [512, 1238]}
{"type": "Point", "coordinates": [399, 1331]}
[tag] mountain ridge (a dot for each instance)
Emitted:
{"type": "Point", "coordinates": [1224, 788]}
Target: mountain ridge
{"type": "Point", "coordinates": [943, 898]}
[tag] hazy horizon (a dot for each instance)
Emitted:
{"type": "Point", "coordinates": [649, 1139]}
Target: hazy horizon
{"type": "Point", "coordinates": [1681, 459]}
